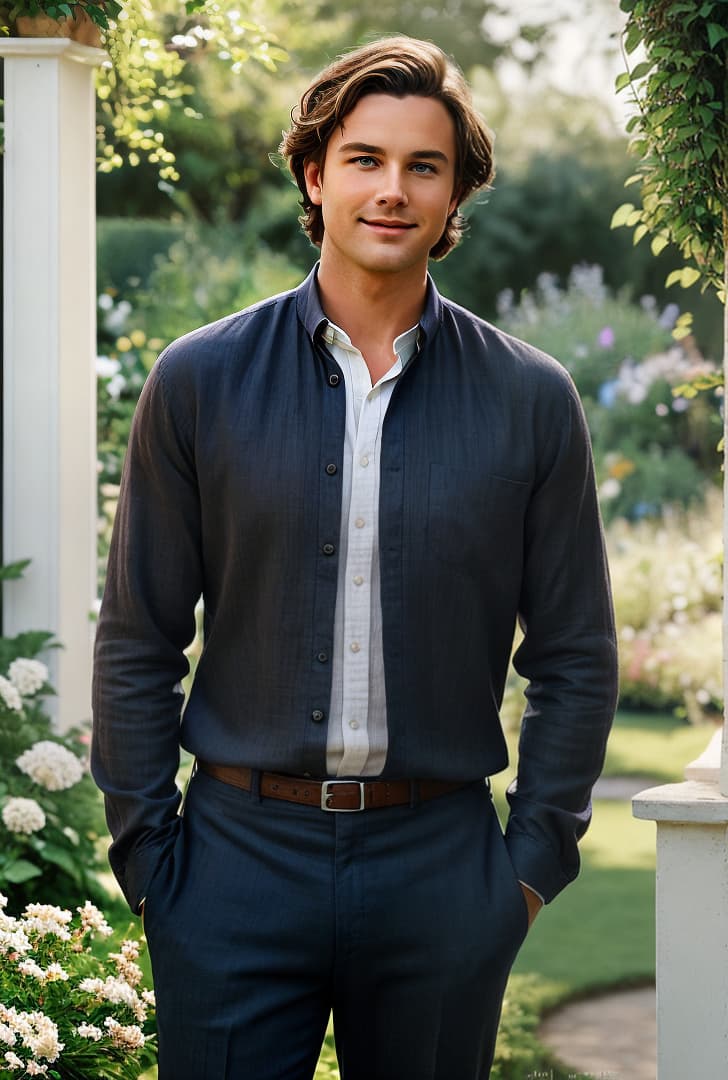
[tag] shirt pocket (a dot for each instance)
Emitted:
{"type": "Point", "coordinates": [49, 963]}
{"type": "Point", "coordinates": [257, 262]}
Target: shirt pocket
{"type": "Point", "coordinates": [476, 521]}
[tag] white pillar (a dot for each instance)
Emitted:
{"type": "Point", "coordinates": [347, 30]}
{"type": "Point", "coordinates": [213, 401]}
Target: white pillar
{"type": "Point", "coordinates": [49, 448]}
{"type": "Point", "coordinates": [692, 925]}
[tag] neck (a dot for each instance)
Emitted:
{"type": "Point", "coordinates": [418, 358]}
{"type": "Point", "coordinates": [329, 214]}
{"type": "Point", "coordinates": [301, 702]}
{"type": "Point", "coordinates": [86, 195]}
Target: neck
{"type": "Point", "coordinates": [373, 309]}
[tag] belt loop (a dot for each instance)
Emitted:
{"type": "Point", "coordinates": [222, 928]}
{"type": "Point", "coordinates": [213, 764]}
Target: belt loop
{"type": "Point", "coordinates": [255, 785]}
{"type": "Point", "coordinates": [414, 794]}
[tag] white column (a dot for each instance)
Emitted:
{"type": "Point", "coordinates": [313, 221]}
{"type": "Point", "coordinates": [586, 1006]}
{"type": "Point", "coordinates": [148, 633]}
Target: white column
{"type": "Point", "coordinates": [692, 924]}
{"type": "Point", "coordinates": [49, 448]}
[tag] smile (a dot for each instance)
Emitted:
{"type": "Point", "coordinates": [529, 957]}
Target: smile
{"type": "Point", "coordinates": [388, 226]}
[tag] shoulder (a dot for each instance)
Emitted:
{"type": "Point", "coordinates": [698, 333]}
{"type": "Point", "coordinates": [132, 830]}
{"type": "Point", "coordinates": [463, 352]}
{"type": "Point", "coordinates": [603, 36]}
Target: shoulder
{"type": "Point", "coordinates": [229, 339]}
{"type": "Point", "coordinates": [495, 353]}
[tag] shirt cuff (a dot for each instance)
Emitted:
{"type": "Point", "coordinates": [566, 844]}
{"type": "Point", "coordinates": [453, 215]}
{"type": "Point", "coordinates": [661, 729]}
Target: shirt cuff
{"type": "Point", "coordinates": [526, 885]}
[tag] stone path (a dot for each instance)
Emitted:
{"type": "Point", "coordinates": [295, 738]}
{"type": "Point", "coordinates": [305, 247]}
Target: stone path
{"type": "Point", "coordinates": [608, 1037]}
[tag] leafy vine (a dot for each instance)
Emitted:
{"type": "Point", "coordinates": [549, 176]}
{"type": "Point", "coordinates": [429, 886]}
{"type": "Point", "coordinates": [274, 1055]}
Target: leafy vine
{"type": "Point", "coordinates": [680, 132]}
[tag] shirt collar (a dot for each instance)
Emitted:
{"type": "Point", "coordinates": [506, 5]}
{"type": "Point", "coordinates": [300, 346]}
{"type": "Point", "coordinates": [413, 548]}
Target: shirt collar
{"type": "Point", "coordinates": [311, 314]}
{"type": "Point", "coordinates": [404, 346]}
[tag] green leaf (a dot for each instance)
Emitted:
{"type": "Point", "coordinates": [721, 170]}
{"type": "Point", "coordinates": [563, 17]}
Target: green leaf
{"type": "Point", "coordinates": [642, 69]}
{"type": "Point", "coordinates": [21, 870]}
{"type": "Point", "coordinates": [61, 858]}
{"type": "Point", "coordinates": [633, 37]}
{"type": "Point", "coordinates": [13, 571]}
{"type": "Point", "coordinates": [621, 214]}
{"type": "Point", "coordinates": [684, 277]}
{"type": "Point", "coordinates": [622, 80]}
{"type": "Point", "coordinates": [659, 243]}
{"type": "Point", "coordinates": [639, 232]}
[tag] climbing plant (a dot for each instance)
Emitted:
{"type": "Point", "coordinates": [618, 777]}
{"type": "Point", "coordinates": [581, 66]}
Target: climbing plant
{"type": "Point", "coordinates": [679, 128]}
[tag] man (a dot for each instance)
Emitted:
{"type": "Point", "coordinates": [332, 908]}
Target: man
{"type": "Point", "coordinates": [368, 485]}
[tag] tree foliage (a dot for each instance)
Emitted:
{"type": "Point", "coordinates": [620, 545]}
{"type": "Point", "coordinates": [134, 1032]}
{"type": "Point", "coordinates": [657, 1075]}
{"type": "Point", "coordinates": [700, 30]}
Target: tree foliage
{"type": "Point", "coordinates": [680, 131]}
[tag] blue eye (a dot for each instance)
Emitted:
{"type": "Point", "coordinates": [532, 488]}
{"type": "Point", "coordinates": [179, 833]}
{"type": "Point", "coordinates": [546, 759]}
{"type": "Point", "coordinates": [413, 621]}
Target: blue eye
{"type": "Point", "coordinates": [423, 167]}
{"type": "Point", "coordinates": [366, 161]}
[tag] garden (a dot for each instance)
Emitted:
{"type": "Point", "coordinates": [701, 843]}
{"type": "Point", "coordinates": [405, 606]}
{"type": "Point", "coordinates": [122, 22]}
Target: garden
{"type": "Point", "coordinates": [196, 220]}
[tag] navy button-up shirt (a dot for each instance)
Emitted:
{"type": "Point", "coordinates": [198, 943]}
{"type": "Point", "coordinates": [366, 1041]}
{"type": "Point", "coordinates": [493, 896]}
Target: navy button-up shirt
{"type": "Point", "coordinates": [487, 514]}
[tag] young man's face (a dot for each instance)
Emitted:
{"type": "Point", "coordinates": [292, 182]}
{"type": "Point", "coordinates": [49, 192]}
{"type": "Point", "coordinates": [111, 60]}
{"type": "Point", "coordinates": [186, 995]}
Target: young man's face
{"type": "Point", "coordinates": [387, 184]}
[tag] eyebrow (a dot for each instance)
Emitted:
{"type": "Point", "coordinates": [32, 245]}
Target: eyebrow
{"type": "Point", "coordinates": [365, 148]}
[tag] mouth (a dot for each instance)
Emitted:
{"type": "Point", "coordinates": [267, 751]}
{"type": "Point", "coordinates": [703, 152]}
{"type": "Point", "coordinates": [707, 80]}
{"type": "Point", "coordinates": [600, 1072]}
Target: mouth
{"type": "Point", "coordinates": [387, 225]}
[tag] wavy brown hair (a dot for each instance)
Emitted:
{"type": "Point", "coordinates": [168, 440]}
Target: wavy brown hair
{"type": "Point", "coordinates": [398, 66]}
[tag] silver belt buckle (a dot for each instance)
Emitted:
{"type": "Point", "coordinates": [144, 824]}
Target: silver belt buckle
{"type": "Point", "coordinates": [326, 795]}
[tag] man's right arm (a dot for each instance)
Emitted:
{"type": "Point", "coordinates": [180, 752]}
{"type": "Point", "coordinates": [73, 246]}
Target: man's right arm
{"type": "Point", "coordinates": [153, 583]}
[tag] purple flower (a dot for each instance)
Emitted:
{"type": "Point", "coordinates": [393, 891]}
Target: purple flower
{"type": "Point", "coordinates": [606, 337]}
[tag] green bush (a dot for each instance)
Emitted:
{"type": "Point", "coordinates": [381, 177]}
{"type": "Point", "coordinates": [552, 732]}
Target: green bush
{"type": "Point", "coordinates": [50, 810]}
{"type": "Point", "coordinates": [651, 448]}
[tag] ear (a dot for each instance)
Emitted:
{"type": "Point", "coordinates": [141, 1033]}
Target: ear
{"type": "Point", "coordinates": [314, 176]}
{"type": "Point", "coordinates": [454, 204]}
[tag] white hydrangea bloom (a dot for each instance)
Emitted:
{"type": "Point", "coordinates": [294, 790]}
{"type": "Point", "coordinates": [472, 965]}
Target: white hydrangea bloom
{"type": "Point", "coordinates": [13, 938]}
{"type": "Point", "coordinates": [48, 919]}
{"type": "Point", "coordinates": [90, 1031]}
{"type": "Point", "coordinates": [93, 919]}
{"type": "Point", "coordinates": [10, 695]}
{"type": "Point", "coordinates": [7, 1035]}
{"type": "Point", "coordinates": [51, 765]}
{"type": "Point", "coordinates": [34, 1068]}
{"type": "Point", "coordinates": [31, 968]}
{"type": "Point", "coordinates": [27, 676]}
{"type": "Point", "coordinates": [14, 1061]}
{"type": "Point", "coordinates": [129, 1036]}
{"type": "Point", "coordinates": [117, 991]}
{"type": "Point", "coordinates": [23, 815]}
{"type": "Point", "coordinates": [37, 1032]}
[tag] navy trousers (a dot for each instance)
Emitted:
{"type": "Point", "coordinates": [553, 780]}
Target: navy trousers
{"type": "Point", "coordinates": [268, 916]}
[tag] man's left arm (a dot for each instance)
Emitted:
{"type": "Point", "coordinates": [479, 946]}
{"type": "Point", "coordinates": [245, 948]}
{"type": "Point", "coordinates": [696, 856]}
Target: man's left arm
{"type": "Point", "coordinates": [569, 658]}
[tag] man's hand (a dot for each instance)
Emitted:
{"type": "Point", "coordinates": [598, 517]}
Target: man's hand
{"type": "Point", "coordinates": [534, 903]}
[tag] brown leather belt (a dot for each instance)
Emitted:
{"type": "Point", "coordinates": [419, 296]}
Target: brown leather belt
{"type": "Point", "coordinates": [341, 795]}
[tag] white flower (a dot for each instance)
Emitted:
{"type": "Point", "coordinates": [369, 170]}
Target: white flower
{"type": "Point", "coordinates": [31, 968]}
{"type": "Point", "coordinates": [51, 765]}
{"type": "Point", "coordinates": [610, 488]}
{"type": "Point", "coordinates": [37, 1032]}
{"type": "Point", "coordinates": [90, 1031]}
{"type": "Point", "coordinates": [10, 695]}
{"type": "Point", "coordinates": [116, 990]}
{"type": "Point", "coordinates": [34, 1068]}
{"type": "Point", "coordinates": [23, 815]}
{"type": "Point", "coordinates": [7, 1035]}
{"type": "Point", "coordinates": [47, 919]}
{"type": "Point", "coordinates": [27, 676]}
{"type": "Point", "coordinates": [3, 901]}
{"type": "Point", "coordinates": [93, 919]}
{"type": "Point", "coordinates": [129, 1036]}
{"type": "Point", "coordinates": [14, 1061]}
{"type": "Point", "coordinates": [12, 938]}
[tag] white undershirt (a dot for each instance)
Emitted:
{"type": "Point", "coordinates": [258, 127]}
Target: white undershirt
{"type": "Point", "coordinates": [357, 732]}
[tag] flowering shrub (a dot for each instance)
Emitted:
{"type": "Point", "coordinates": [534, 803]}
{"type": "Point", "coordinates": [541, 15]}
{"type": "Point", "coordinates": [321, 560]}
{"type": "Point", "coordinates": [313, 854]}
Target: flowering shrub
{"type": "Point", "coordinates": [667, 579]}
{"type": "Point", "coordinates": [50, 811]}
{"type": "Point", "coordinates": [65, 1012]}
{"type": "Point", "coordinates": [653, 445]}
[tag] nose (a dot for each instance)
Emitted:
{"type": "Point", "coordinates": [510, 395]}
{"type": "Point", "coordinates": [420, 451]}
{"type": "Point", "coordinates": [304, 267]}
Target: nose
{"type": "Point", "coordinates": [392, 191]}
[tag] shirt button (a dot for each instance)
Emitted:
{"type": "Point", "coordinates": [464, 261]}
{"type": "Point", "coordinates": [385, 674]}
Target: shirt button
{"type": "Point", "coordinates": [328, 549]}
{"type": "Point", "coordinates": [358, 580]}
{"type": "Point", "coordinates": [322, 657]}
{"type": "Point", "coordinates": [360, 523]}
{"type": "Point", "coordinates": [334, 379]}
{"type": "Point", "coordinates": [353, 724]}
{"type": "Point", "coordinates": [317, 716]}
{"type": "Point", "coordinates": [364, 461]}
{"type": "Point", "coordinates": [355, 646]}
{"type": "Point", "coordinates": [331, 468]}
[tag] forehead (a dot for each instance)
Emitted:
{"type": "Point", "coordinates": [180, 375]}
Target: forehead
{"type": "Point", "coordinates": [398, 124]}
